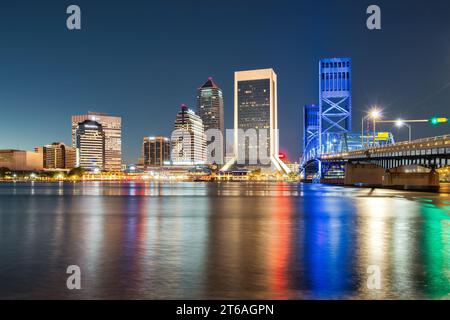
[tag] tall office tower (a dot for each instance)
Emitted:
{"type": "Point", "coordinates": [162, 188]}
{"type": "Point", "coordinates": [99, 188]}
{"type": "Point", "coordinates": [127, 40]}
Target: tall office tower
{"type": "Point", "coordinates": [255, 107]}
{"type": "Point", "coordinates": [156, 151]}
{"type": "Point", "coordinates": [210, 107]}
{"type": "Point", "coordinates": [112, 128]}
{"type": "Point", "coordinates": [335, 102]}
{"type": "Point", "coordinates": [310, 131]}
{"type": "Point", "coordinates": [193, 151]}
{"type": "Point", "coordinates": [58, 156]}
{"type": "Point", "coordinates": [90, 142]}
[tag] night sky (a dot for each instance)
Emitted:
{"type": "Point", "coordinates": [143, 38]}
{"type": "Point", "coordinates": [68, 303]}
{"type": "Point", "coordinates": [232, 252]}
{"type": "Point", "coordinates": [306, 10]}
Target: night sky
{"type": "Point", "coordinates": [142, 59]}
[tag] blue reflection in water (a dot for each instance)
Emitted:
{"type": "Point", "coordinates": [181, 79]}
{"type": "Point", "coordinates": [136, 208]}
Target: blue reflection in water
{"type": "Point", "coordinates": [328, 246]}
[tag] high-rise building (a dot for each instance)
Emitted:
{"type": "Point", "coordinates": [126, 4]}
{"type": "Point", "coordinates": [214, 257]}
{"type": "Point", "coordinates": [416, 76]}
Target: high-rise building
{"type": "Point", "coordinates": [156, 151]}
{"type": "Point", "coordinates": [58, 156]}
{"type": "Point", "coordinates": [90, 142]}
{"type": "Point", "coordinates": [112, 128]}
{"type": "Point", "coordinates": [210, 106]}
{"type": "Point", "coordinates": [19, 160]}
{"type": "Point", "coordinates": [255, 107]}
{"type": "Point", "coordinates": [335, 101]}
{"type": "Point", "coordinates": [192, 151]}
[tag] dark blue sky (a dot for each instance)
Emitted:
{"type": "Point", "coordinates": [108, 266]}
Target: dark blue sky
{"type": "Point", "coordinates": [142, 59]}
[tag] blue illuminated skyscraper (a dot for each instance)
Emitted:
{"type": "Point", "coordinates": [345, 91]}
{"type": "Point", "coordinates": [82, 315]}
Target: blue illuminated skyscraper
{"type": "Point", "coordinates": [335, 102]}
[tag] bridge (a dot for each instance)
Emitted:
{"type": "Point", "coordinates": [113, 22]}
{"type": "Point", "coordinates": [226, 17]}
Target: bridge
{"type": "Point", "coordinates": [405, 165]}
{"type": "Point", "coordinates": [430, 153]}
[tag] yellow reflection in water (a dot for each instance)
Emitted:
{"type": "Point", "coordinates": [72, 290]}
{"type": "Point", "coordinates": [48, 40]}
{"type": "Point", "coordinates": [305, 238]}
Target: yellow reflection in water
{"type": "Point", "coordinates": [373, 243]}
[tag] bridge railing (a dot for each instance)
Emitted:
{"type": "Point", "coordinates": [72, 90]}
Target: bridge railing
{"type": "Point", "coordinates": [437, 140]}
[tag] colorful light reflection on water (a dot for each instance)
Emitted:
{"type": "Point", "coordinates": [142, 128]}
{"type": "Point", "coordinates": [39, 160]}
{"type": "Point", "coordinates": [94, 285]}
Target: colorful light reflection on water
{"type": "Point", "coordinates": [229, 240]}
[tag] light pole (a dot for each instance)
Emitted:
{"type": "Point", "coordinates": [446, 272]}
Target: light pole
{"type": "Point", "coordinates": [401, 123]}
{"type": "Point", "coordinates": [362, 131]}
{"type": "Point", "coordinates": [374, 130]}
{"type": "Point", "coordinates": [375, 114]}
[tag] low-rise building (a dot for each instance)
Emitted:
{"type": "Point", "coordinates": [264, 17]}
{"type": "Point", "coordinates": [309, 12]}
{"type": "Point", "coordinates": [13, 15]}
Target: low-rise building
{"type": "Point", "coordinates": [20, 160]}
{"type": "Point", "coordinates": [58, 156]}
{"type": "Point", "coordinates": [155, 151]}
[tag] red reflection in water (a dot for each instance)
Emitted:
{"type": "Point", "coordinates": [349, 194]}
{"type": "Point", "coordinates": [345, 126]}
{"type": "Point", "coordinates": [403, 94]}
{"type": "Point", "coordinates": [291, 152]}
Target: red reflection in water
{"type": "Point", "coordinates": [280, 247]}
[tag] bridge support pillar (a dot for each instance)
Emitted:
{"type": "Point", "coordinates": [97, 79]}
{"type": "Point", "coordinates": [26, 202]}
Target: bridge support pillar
{"type": "Point", "coordinates": [425, 181]}
{"type": "Point", "coordinates": [362, 174]}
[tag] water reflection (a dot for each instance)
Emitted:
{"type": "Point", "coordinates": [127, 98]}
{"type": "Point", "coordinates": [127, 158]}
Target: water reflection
{"type": "Point", "coordinates": [435, 249]}
{"type": "Point", "coordinates": [327, 246]}
{"type": "Point", "coordinates": [228, 240]}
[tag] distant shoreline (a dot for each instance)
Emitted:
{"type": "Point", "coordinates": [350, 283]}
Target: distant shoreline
{"type": "Point", "coordinates": [444, 186]}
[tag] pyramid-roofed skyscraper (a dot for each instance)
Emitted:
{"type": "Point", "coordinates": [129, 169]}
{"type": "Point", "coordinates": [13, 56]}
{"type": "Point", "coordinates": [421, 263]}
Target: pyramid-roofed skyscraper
{"type": "Point", "coordinates": [210, 105]}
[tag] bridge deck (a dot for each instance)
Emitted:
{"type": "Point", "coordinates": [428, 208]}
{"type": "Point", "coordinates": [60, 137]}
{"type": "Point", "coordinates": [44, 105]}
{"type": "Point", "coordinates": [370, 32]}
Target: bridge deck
{"type": "Point", "coordinates": [422, 147]}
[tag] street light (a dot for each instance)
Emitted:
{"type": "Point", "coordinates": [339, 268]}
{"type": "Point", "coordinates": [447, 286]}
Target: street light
{"type": "Point", "coordinates": [375, 114]}
{"type": "Point", "coordinates": [400, 123]}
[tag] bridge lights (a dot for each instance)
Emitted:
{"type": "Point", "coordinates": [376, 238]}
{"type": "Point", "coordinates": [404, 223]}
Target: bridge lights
{"type": "Point", "coordinates": [400, 123]}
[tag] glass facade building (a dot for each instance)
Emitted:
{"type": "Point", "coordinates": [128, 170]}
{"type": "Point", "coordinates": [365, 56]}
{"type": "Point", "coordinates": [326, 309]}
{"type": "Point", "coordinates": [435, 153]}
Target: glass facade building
{"type": "Point", "coordinates": [255, 109]}
{"type": "Point", "coordinates": [112, 128]}
{"type": "Point", "coordinates": [90, 142]}
{"type": "Point", "coordinates": [156, 151]}
{"type": "Point", "coordinates": [193, 151]}
{"type": "Point", "coordinates": [254, 113]}
{"type": "Point", "coordinates": [210, 106]}
{"type": "Point", "coordinates": [210, 110]}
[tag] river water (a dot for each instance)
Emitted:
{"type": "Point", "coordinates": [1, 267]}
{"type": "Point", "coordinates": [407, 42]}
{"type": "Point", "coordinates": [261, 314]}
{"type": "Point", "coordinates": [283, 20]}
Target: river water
{"type": "Point", "coordinates": [223, 241]}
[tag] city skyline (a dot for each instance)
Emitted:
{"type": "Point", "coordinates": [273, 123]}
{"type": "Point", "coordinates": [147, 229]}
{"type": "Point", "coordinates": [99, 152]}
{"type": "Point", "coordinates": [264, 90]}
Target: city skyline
{"type": "Point", "coordinates": [59, 87]}
{"type": "Point", "coordinates": [205, 114]}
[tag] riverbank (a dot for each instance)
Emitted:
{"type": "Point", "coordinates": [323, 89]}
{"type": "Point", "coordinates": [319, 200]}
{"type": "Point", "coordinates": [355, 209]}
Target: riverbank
{"type": "Point", "coordinates": [444, 187]}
